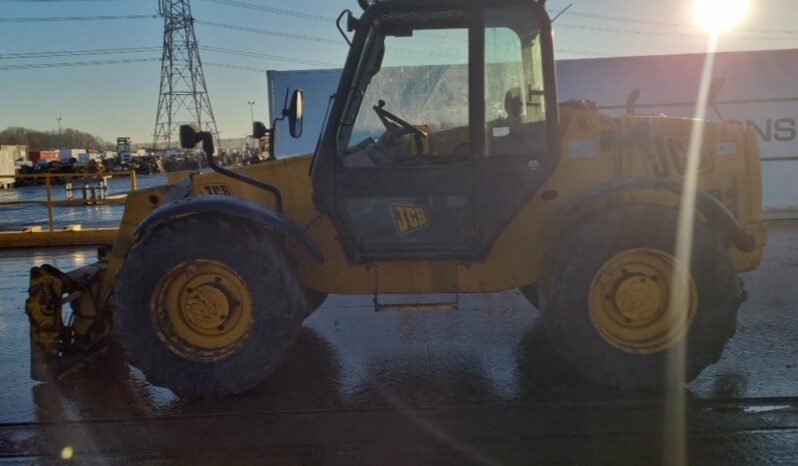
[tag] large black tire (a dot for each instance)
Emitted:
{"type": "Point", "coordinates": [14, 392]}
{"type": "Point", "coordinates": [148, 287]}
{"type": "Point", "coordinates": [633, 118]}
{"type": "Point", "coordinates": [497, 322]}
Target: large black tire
{"type": "Point", "coordinates": [530, 292]}
{"type": "Point", "coordinates": [315, 299]}
{"type": "Point", "coordinates": [278, 305]}
{"type": "Point", "coordinates": [564, 295]}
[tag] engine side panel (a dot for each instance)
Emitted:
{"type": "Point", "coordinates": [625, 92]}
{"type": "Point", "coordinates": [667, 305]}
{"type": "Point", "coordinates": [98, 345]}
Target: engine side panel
{"type": "Point", "coordinates": [729, 168]}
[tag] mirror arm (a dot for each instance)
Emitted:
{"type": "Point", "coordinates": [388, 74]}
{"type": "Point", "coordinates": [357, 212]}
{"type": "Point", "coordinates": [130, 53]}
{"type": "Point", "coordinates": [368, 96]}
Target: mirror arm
{"type": "Point", "coordinates": [272, 132]}
{"type": "Point", "coordinates": [273, 139]}
{"type": "Point", "coordinates": [207, 146]}
{"type": "Point", "coordinates": [340, 29]}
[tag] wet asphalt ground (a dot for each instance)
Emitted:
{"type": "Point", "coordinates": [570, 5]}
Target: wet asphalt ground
{"type": "Point", "coordinates": [479, 385]}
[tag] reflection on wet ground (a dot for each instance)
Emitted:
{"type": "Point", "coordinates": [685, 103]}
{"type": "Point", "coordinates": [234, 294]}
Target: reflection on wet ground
{"type": "Point", "coordinates": [480, 384]}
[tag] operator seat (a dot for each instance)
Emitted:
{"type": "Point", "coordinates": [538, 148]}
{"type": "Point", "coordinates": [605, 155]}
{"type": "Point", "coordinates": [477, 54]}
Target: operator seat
{"type": "Point", "coordinates": [371, 155]}
{"type": "Point", "coordinates": [514, 106]}
{"type": "Point", "coordinates": [507, 134]}
{"type": "Point", "coordinates": [379, 158]}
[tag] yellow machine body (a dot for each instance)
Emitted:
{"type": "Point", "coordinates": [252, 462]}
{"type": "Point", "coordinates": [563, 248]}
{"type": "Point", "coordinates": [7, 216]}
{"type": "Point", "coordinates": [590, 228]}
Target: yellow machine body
{"type": "Point", "coordinates": [650, 147]}
{"type": "Point", "coordinates": [730, 171]}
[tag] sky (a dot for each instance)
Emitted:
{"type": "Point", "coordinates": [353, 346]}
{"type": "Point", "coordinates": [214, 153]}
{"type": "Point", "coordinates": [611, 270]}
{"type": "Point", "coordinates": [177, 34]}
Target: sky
{"type": "Point", "coordinates": [120, 99]}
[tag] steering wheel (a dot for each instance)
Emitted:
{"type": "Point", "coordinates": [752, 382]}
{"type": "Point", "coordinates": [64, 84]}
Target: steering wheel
{"type": "Point", "coordinates": [400, 127]}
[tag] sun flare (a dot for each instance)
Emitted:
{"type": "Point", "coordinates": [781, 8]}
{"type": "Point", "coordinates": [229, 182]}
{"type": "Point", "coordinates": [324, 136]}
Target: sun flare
{"type": "Point", "coordinates": [718, 16]}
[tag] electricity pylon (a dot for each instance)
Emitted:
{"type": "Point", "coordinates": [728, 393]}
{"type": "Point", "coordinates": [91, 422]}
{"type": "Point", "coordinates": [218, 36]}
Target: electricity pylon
{"type": "Point", "coordinates": [184, 94]}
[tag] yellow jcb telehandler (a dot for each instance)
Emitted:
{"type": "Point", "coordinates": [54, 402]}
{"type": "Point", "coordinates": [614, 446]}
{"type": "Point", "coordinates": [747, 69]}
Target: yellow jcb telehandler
{"type": "Point", "coordinates": [481, 183]}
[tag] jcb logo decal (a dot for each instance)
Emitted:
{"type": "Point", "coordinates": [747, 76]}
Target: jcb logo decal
{"type": "Point", "coordinates": [668, 157]}
{"type": "Point", "coordinates": [409, 218]}
{"type": "Point", "coordinates": [218, 189]}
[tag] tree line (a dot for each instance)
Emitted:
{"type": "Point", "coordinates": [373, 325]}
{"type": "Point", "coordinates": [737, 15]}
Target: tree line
{"type": "Point", "coordinates": [45, 140]}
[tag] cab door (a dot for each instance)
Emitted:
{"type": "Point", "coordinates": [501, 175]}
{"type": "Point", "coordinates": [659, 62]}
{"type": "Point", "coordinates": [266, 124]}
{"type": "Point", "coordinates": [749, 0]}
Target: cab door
{"type": "Point", "coordinates": [405, 169]}
{"type": "Point", "coordinates": [443, 128]}
{"type": "Point", "coordinates": [521, 119]}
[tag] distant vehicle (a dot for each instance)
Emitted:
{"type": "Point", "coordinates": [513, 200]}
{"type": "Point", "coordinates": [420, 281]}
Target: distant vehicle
{"type": "Point", "coordinates": [123, 152]}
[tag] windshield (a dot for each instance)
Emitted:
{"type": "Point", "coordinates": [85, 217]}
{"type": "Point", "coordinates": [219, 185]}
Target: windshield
{"type": "Point", "coordinates": [420, 74]}
{"type": "Point", "coordinates": [423, 78]}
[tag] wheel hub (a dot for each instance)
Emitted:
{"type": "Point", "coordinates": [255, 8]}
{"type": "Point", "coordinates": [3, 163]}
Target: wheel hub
{"type": "Point", "coordinates": [205, 308]}
{"type": "Point", "coordinates": [638, 298]}
{"type": "Point", "coordinates": [630, 301]}
{"type": "Point", "coordinates": [202, 310]}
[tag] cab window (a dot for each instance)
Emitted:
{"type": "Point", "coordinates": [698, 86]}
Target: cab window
{"type": "Point", "coordinates": [515, 105]}
{"type": "Point", "coordinates": [410, 105]}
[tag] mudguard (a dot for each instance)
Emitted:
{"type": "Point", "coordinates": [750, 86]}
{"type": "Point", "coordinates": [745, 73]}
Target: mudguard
{"type": "Point", "coordinates": [246, 210]}
{"type": "Point", "coordinates": [707, 205]}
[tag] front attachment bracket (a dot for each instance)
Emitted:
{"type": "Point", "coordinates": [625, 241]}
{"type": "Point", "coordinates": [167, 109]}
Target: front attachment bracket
{"type": "Point", "coordinates": [55, 345]}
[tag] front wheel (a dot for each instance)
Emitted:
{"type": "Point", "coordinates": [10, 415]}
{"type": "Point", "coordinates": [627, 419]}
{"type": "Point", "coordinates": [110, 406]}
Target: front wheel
{"type": "Point", "coordinates": [606, 299]}
{"type": "Point", "coordinates": [207, 306]}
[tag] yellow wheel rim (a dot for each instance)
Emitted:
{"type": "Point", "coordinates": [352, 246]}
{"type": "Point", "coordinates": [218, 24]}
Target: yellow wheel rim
{"type": "Point", "coordinates": [630, 301]}
{"type": "Point", "coordinates": [202, 310]}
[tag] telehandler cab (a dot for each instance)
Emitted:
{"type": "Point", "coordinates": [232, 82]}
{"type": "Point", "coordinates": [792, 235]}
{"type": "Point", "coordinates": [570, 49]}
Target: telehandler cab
{"type": "Point", "coordinates": [445, 165]}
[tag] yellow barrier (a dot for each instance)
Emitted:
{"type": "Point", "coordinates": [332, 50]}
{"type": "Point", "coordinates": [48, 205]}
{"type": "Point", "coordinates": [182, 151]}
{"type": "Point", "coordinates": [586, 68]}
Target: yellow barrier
{"type": "Point", "coordinates": [72, 235]}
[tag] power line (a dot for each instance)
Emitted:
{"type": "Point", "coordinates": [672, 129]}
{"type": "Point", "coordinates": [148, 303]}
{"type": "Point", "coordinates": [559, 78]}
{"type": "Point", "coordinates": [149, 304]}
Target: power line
{"type": "Point", "coordinates": [267, 56]}
{"type": "Point", "coordinates": [278, 11]}
{"type": "Point", "coordinates": [236, 67]}
{"type": "Point", "coordinates": [561, 25]}
{"type": "Point", "coordinates": [639, 32]}
{"type": "Point", "coordinates": [584, 52]}
{"type": "Point", "coordinates": [76, 63]}
{"type": "Point", "coordinates": [71, 53]}
{"type": "Point", "coordinates": [319, 39]}
{"type": "Point", "coordinates": [243, 53]}
{"type": "Point", "coordinates": [74, 18]}
{"type": "Point", "coordinates": [315, 17]}
{"type": "Point", "coordinates": [114, 62]}
{"type": "Point", "coordinates": [271, 33]}
{"type": "Point", "coordinates": [48, 54]}
{"type": "Point", "coordinates": [58, 1]}
{"type": "Point", "coordinates": [332, 41]}
{"type": "Point", "coordinates": [602, 17]}
{"type": "Point", "coordinates": [114, 51]}
{"type": "Point", "coordinates": [624, 19]}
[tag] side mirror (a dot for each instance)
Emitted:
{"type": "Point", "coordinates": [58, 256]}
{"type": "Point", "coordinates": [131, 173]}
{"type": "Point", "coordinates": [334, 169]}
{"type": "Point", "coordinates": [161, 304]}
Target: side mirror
{"type": "Point", "coordinates": [259, 130]}
{"type": "Point", "coordinates": [631, 102]}
{"type": "Point", "coordinates": [352, 23]}
{"type": "Point", "coordinates": [188, 137]}
{"type": "Point", "coordinates": [295, 113]}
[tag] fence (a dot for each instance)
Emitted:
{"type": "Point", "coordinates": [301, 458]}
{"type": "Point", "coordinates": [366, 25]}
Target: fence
{"type": "Point", "coordinates": [94, 192]}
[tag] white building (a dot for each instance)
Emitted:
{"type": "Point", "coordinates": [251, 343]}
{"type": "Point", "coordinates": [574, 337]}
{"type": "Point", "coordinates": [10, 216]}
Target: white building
{"type": "Point", "coordinates": [9, 155]}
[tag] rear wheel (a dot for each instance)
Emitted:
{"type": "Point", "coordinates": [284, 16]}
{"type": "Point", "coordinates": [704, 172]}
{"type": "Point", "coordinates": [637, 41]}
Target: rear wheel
{"type": "Point", "coordinates": [314, 300]}
{"type": "Point", "coordinates": [207, 307]}
{"type": "Point", "coordinates": [606, 299]}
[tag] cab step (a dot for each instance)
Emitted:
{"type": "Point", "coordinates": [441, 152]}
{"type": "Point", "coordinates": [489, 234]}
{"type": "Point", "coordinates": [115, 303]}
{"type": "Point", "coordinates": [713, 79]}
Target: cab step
{"type": "Point", "coordinates": [416, 306]}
